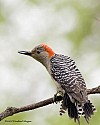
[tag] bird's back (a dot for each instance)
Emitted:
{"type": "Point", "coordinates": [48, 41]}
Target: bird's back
{"type": "Point", "coordinates": [66, 73]}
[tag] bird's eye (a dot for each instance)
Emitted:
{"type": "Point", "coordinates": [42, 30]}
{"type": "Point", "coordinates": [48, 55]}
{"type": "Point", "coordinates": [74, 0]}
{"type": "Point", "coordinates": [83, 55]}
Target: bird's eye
{"type": "Point", "coordinates": [38, 52]}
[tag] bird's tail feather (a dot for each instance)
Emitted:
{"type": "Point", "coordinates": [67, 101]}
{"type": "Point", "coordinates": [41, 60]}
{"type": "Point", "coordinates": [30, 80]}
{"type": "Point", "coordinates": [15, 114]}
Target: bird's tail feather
{"type": "Point", "coordinates": [88, 110]}
{"type": "Point", "coordinates": [72, 109]}
{"type": "Point", "coordinates": [75, 110]}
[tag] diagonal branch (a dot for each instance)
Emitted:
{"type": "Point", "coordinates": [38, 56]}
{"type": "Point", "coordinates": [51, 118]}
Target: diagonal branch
{"type": "Point", "coordinates": [95, 90]}
{"type": "Point", "coordinates": [13, 110]}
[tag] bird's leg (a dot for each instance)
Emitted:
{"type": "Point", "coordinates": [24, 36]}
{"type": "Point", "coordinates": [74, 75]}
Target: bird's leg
{"type": "Point", "coordinates": [58, 97]}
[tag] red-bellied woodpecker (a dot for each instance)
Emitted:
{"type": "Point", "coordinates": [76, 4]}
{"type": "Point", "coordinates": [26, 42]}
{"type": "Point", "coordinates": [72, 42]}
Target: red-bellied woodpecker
{"type": "Point", "coordinates": [68, 79]}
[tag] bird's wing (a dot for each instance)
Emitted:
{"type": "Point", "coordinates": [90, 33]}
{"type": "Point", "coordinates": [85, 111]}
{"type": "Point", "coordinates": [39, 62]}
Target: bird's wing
{"type": "Point", "coordinates": [65, 72]}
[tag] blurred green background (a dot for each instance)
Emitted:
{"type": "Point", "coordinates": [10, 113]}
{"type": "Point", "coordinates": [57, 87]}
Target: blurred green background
{"type": "Point", "coordinates": [70, 27]}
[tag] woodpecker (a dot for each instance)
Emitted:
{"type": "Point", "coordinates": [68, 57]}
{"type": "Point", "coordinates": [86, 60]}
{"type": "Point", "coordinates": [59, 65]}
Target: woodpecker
{"type": "Point", "coordinates": [68, 80]}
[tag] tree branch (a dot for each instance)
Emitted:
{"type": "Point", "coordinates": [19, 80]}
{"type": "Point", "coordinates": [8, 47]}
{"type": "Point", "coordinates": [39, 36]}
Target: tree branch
{"type": "Point", "coordinates": [13, 110]}
{"type": "Point", "coordinates": [95, 90]}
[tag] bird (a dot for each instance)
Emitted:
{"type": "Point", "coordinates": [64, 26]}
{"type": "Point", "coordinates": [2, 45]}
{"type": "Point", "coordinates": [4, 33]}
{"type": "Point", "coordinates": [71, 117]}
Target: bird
{"type": "Point", "coordinates": [68, 80]}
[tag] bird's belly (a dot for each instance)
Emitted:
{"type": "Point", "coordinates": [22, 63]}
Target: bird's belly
{"type": "Point", "coordinates": [60, 90]}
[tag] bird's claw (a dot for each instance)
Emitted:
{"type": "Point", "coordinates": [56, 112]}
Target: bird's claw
{"type": "Point", "coordinates": [57, 98]}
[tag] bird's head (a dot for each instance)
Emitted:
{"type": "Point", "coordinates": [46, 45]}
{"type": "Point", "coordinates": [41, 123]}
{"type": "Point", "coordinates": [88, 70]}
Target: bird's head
{"type": "Point", "coordinates": [41, 53]}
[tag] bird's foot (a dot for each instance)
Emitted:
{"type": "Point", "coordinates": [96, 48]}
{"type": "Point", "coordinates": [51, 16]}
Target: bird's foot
{"type": "Point", "coordinates": [57, 98]}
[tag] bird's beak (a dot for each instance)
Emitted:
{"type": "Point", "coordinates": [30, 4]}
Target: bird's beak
{"type": "Point", "coordinates": [25, 52]}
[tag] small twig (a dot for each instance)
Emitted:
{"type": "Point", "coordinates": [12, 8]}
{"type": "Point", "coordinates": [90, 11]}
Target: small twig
{"type": "Point", "coordinates": [13, 110]}
{"type": "Point", "coordinates": [95, 90]}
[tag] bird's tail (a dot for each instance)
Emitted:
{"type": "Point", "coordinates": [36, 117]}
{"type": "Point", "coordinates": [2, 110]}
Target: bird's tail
{"type": "Point", "coordinates": [71, 107]}
{"type": "Point", "coordinates": [88, 110]}
{"type": "Point", "coordinates": [75, 110]}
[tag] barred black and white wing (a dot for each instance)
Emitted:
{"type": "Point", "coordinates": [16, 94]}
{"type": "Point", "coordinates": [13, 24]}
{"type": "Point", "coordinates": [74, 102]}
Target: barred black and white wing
{"type": "Point", "coordinates": [66, 74]}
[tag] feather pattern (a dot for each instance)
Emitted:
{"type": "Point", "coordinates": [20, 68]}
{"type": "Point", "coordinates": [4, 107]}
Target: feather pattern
{"type": "Point", "coordinates": [68, 77]}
